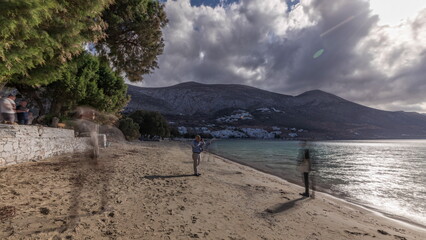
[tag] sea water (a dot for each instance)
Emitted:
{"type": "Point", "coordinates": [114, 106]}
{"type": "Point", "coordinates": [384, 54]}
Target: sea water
{"type": "Point", "coordinates": [387, 175]}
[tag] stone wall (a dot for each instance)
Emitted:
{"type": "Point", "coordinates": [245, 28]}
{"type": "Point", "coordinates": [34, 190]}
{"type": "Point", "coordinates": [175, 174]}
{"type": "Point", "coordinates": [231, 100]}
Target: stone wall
{"type": "Point", "coordinates": [20, 143]}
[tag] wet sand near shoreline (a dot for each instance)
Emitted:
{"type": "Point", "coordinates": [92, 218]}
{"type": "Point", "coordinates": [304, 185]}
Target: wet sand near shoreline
{"type": "Point", "coordinates": [147, 191]}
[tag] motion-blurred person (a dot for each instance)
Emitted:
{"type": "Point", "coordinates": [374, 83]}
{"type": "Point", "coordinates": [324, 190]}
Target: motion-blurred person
{"type": "Point", "coordinates": [197, 148]}
{"type": "Point", "coordinates": [8, 109]}
{"type": "Point", "coordinates": [86, 126]}
{"type": "Point", "coordinates": [305, 166]}
{"type": "Point", "coordinates": [22, 112]}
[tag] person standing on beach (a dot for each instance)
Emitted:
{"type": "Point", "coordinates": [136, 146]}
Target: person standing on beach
{"type": "Point", "coordinates": [22, 112]}
{"type": "Point", "coordinates": [197, 148]}
{"type": "Point", "coordinates": [305, 166]}
{"type": "Point", "coordinates": [8, 109]}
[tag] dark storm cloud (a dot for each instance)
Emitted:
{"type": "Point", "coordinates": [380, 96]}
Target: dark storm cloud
{"type": "Point", "coordinates": [263, 44]}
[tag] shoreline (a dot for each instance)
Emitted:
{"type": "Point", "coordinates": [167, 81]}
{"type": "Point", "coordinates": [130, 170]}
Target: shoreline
{"type": "Point", "coordinates": [393, 217]}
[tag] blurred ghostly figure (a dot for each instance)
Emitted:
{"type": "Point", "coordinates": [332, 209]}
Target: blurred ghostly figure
{"type": "Point", "coordinates": [305, 165]}
{"type": "Point", "coordinates": [85, 125]}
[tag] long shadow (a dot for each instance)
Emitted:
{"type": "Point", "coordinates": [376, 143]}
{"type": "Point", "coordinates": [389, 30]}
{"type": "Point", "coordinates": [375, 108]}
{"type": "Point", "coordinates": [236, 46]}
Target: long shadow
{"type": "Point", "coordinates": [285, 206]}
{"type": "Point", "coordinates": [84, 177]}
{"type": "Point", "coordinates": [170, 176]}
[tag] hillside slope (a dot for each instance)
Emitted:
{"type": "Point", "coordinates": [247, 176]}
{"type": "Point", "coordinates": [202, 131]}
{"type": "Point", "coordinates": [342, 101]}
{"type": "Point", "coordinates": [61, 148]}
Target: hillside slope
{"type": "Point", "coordinates": [315, 110]}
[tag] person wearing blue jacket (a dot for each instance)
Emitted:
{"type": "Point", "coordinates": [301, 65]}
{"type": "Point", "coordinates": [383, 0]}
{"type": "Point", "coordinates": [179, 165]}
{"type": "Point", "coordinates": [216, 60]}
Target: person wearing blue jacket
{"type": "Point", "coordinates": [197, 148]}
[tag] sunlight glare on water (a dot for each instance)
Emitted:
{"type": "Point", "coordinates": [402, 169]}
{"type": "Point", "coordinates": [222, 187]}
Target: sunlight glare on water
{"type": "Point", "coordinates": [387, 175]}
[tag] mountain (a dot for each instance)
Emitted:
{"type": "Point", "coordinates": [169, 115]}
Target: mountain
{"type": "Point", "coordinates": [196, 98]}
{"type": "Point", "coordinates": [324, 115]}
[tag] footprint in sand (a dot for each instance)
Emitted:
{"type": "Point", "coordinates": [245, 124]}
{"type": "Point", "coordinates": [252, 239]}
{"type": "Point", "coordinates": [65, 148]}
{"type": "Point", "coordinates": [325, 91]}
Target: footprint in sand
{"type": "Point", "coordinates": [44, 211]}
{"type": "Point", "coordinates": [382, 232]}
{"type": "Point", "coordinates": [356, 233]}
{"type": "Point", "coordinates": [399, 237]}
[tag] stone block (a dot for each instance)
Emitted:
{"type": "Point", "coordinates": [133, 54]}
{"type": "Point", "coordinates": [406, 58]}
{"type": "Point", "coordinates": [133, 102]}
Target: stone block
{"type": "Point", "coordinates": [15, 146]}
{"type": "Point", "coordinates": [8, 147]}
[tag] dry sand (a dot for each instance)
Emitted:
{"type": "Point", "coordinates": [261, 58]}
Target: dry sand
{"type": "Point", "coordinates": [146, 191]}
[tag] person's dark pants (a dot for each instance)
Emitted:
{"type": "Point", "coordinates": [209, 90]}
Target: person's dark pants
{"type": "Point", "coordinates": [306, 177]}
{"type": "Point", "coordinates": [22, 121]}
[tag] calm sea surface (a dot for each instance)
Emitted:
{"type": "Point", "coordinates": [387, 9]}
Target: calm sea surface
{"type": "Point", "coordinates": [387, 175]}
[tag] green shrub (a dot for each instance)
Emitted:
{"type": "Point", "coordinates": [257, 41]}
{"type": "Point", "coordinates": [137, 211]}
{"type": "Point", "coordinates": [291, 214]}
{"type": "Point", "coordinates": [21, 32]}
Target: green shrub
{"type": "Point", "coordinates": [151, 123]}
{"type": "Point", "coordinates": [129, 128]}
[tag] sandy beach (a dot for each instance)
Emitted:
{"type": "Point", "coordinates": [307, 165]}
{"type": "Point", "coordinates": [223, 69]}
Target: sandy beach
{"type": "Point", "coordinates": [147, 191]}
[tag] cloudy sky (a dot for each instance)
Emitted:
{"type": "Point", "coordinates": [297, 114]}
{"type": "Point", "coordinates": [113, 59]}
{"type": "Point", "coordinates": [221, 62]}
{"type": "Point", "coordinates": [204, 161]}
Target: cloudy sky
{"type": "Point", "coordinates": [372, 52]}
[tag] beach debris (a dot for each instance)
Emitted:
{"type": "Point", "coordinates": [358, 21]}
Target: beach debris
{"type": "Point", "coordinates": [7, 212]}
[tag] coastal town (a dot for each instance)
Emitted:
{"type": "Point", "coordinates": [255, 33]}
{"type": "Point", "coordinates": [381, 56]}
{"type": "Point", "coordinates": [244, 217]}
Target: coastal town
{"type": "Point", "coordinates": [231, 126]}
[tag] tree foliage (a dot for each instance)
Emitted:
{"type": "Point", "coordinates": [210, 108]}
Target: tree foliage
{"type": "Point", "coordinates": [90, 82]}
{"type": "Point", "coordinates": [83, 81]}
{"type": "Point", "coordinates": [38, 37]}
{"type": "Point", "coordinates": [129, 128]}
{"type": "Point", "coordinates": [151, 123]}
{"type": "Point", "coordinates": [134, 36]}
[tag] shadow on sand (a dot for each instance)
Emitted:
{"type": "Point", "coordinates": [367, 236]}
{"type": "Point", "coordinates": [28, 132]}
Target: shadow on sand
{"type": "Point", "coordinates": [170, 176]}
{"type": "Point", "coordinates": [285, 206]}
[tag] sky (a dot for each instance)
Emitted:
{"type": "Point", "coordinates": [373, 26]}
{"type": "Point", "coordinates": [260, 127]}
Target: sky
{"type": "Point", "coordinates": [372, 52]}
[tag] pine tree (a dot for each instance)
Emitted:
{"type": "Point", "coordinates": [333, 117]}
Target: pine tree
{"type": "Point", "coordinates": [134, 36]}
{"type": "Point", "coordinates": [37, 37]}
